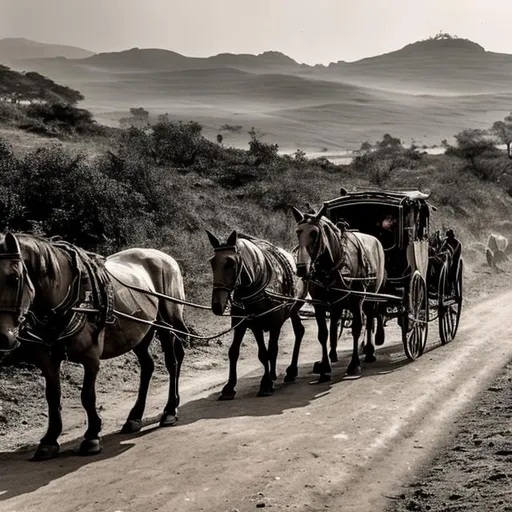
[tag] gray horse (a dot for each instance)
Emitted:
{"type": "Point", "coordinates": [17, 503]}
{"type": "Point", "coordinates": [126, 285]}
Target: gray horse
{"type": "Point", "coordinates": [66, 303]}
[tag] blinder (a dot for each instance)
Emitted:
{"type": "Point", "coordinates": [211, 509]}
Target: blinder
{"type": "Point", "coordinates": [219, 286]}
{"type": "Point", "coordinates": [12, 300]}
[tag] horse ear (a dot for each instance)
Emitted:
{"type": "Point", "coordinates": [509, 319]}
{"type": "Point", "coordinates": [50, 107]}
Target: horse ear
{"type": "Point", "coordinates": [213, 239]}
{"type": "Point", "coordinates": [11, 243]}
{"type": "Point", "coordinates": [232, 238]}
{"type": "Point", "coordinates": [299, 217]}
{"type": "Point", "coordinates": [321, 212]}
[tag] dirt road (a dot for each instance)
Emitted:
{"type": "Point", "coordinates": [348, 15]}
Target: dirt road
{"type": "Point", "coordinates": [345, 445]}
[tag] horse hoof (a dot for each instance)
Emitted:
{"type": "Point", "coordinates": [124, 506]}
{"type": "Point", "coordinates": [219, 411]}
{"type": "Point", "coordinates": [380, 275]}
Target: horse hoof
{"type": "Point", "coordinates": [46, 452]}
{"type": "Point", "coordinates": [333, 357]}
{"type": "Point", "coordinates": [226, 395]}
{"type": "Point", "coordinates": [291, 374]}
{"type": "Point", "coordinates": [353, 371]}
{"type": "Point", "coordinates": [131, 427]}
{"type": "Point", "coordinates": [265, 392]}
{"type": "Point", "coordinates": [89, 447]}
{"type": "Point", "coordinates": [168, 420]}
{"type": "Point", "coordinates": [379, 340]}
{"type": "Point", "coordinates": [321, 379]}
{"type": "Point", "coordinates": [369, 359]}
{"type": "Point", "coordinates": [273, 376]}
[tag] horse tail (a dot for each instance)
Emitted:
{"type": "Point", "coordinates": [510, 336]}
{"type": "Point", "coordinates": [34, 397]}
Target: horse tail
{"type": "Point", "coordinates": [172, 285]}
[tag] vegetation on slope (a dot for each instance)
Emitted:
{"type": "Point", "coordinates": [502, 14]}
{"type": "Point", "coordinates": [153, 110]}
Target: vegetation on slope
{"type": "Point", "coordinates": [162, 184]}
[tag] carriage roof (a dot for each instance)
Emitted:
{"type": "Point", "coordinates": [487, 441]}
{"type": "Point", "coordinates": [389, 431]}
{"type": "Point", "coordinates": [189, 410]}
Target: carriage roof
{"type": "Point", "coordinates": [363, 209]}
{"type": "Point", "coordinates": [385, 197]}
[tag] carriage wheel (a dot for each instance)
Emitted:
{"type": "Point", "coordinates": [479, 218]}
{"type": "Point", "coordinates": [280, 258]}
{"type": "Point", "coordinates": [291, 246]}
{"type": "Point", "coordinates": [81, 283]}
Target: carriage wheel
{"type": "Point", "coordinates": [415, 321]}
{"type": "Point", "coordinates": [450, 304]}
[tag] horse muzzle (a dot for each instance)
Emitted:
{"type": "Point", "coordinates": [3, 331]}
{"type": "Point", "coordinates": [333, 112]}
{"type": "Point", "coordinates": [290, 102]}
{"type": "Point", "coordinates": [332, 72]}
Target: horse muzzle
{"type": "Point", "coordinates": [220, 299]}
{"type": "Point", "coordinates": [9, 340]}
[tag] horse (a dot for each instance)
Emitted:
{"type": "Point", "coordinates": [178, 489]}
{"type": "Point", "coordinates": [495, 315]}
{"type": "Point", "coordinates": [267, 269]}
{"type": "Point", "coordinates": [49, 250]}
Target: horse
{"type": "Point", "coordinates": [340, 267]}
{"type": "Point", "coordinates": [62, 302]}
{"type": "Point", "coordinates": [259, 280]}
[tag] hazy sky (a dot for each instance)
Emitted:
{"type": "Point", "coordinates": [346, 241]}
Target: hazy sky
{"type": "Point", "coordinates": [311, 31]}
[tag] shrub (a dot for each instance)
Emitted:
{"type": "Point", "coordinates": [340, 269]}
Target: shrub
{"type": "Point", "coordinates": [263, 152]}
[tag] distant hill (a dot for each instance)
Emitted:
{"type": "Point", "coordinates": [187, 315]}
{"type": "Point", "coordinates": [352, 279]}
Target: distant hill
{"type": "Point", "coordinates": [444, 65]}
{"type": "Point", "coordinates": [12, 49]}
{"type": "Point", "coordinates": [157, 59]}
{"type": "Point", "coordinates": [428, 90]}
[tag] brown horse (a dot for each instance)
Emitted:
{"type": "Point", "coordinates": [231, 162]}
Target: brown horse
{"type": "Point", "coordinates": [261, 279]}
{"type": "Point", "coordinates": [340, 268]}
{"type": "Point", "coordinates": [65, 303]}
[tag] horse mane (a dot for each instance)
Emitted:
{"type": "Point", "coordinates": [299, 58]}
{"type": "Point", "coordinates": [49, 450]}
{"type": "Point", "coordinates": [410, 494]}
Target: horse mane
{"type": "Point", "coordinates": [332, 239]}
{"type": "Point", "coordinates": [44, 258]}
{"type": "Point", "coordinates": [45, 252]}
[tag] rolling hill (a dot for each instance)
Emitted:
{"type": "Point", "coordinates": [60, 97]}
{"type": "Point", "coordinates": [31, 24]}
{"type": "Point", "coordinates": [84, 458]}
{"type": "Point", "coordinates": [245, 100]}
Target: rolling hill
{"type": "Point", "coordinates": [444, 66]}
{"type": "Point", "coordinates": [428, 91]}
{"type": "Point", "coordinates": [18, 48]}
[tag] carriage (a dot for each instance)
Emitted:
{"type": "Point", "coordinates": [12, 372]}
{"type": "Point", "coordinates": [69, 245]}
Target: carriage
{"type": "Point", "coordinates": [423, 269]}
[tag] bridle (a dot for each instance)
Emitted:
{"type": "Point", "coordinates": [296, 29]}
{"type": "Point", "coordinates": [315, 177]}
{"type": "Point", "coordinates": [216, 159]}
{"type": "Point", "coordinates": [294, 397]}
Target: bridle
{"type": "Point", "coordinates": [315, 251]}
{"type": "Point", "coordinates": [221, 286]}
{"type": "Point", "coordinates": [17, 309]}
{"type": "Point", "coordinates": [230, 289]}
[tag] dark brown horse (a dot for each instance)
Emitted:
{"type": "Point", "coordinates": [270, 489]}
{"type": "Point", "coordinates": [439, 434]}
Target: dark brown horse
{"type": "Point", "coordinates": [60, 301]}
{"type": "Point", "coordinates": [260, 281]}
{"type": "Point", "coordinates": [340, 267]}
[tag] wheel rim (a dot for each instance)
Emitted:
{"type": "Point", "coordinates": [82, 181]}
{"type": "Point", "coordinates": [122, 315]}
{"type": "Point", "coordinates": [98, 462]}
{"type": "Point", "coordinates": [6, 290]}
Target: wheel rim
{"type": "Point", "coordinates": [450, 305]}
{"type": "Point", "coordinates": [414, 333]}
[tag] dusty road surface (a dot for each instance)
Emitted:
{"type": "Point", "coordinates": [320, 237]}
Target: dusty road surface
{"type": "Point", "coordinates": [346, 445]}
{"type": "Point", "coordinates": [473, 471]}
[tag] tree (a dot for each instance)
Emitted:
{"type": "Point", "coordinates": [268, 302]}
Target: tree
{"type": "Point", "coordinates": [502, 130]}
{"type": "Point", "coordinates": [471, 144]}
{"type": "Point", "coordinates": [33, 87]}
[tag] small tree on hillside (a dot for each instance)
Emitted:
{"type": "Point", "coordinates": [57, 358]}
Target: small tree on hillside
{"type": "Point", "coordinates": [502, 130]}
{"type": "Point", "coordinates": [470, 144]}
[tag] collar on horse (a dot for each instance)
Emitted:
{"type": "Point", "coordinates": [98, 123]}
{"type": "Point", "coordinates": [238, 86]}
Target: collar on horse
{"type": "Point", "coordinates": [90, 297]}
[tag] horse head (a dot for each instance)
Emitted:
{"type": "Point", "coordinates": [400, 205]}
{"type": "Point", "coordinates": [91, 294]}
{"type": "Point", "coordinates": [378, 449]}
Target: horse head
{"type": "Point", "coordinates": [226, 266]}
{"type": "Point", "coordinates": [16, 291]}
{"type": "Point", "coordinates": [310, 233]}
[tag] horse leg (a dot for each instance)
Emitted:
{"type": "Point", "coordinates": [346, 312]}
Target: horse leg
{"type": "Point", "coordinates": [273, 350]}
{"type": "Point", "coordinates": [369, 349]}
{"type": "Point", "coordinates": [173, 357]}
{"type": "Point", "coordinates": [147, 366]}
{"type": "Point", "coordinates": [333, 334]}
{"type": "Point", "coordinates": [292, 371]}
{"type": "Point", "coordinates": [380, 334]}
{"type": "Point", "coordinates": [266, 384]}
{"type": "Point", "coordinates": [49, 447]}
{"type": "Point", "coordinates": [91, 442]}
{"type": "Point", "coordinates": [354, 367]}
{"type": "Point", "coordinates": [322, 367]}
{"type": "Point", "coordinates": [228, 391]}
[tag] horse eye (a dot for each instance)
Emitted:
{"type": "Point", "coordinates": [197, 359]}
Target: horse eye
{"type": "Point", "coordinates": [14, 278]}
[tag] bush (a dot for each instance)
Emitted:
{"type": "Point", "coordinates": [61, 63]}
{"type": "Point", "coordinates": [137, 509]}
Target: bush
{"type": "Point", "coordinates": [61, 118]}
{"type": "Point", "coordinates": [471, 144]}
{"type": "Point", "coordinates": [263, 152]}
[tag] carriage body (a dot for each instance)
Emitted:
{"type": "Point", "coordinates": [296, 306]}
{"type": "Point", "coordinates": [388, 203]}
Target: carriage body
{"type": "Point", "coordinates": [423, 279]}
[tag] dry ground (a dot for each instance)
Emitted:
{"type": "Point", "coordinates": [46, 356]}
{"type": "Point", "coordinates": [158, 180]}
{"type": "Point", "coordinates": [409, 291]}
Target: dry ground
{"type": "Point", "coordinates": [347, 445]}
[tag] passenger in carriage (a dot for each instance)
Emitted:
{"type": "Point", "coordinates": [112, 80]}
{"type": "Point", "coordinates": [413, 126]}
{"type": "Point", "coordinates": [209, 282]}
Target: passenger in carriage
{"type": "Point", "coordinates": [386, 232]}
